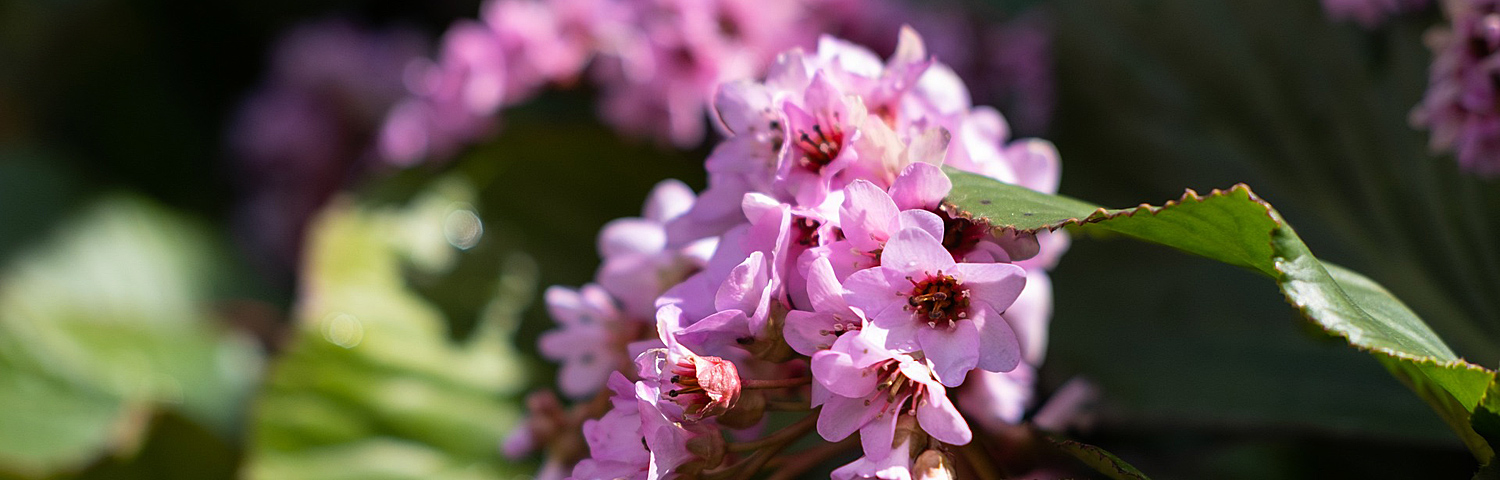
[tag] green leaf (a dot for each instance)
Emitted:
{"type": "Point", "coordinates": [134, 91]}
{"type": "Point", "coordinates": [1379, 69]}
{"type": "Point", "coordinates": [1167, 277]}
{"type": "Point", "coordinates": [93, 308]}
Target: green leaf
{"type": "Point", "coordinates": [1098, 459]}
{"type": "Point", "coordinates": [1238, 228]}
{"type": "Point", "coordinates": [373, 386]}
{"type": "Point", "coordinates": [102, 325]}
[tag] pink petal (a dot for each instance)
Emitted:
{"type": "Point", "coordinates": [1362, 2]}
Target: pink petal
{"type": "Point", "coordinates": [940, 419]}
{"type": "Point", "coordinates": [953, 352]}
{"type": "Point", "coordinates": [867, 216]}
{"type": "Point", "coordinates": [631, 236]}
{"type": "Point", "coordinates": [921, 186]}
{"type": "Point", "coordinates": [999, 351]}
{"type": "Point", "coordinates": [745, 285]}
{"type": "Point", "coordinates": [996, 284]}
{"type": "Point", "coordinates": [922, 220]}
{"type": "Point", "coordinates": [823, 288]}
{"type": "Point", "coordinates": [873, 290]}
{"type": "Point", "coordinates": [878, 436]}
{"type": "Point", "coordinates": [669, 199]}
{"type": "Point", "coordinates": [842, 416]}
{"type": "Point", "coordinates": [837, 371]}
{"type": "Point", "coordinates": [917, 254]}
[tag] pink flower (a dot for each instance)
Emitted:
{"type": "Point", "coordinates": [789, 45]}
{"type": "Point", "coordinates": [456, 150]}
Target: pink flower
{"type": "Point", "coordinates": [616, 444]}
{"type": "Point", "coordinates": [1462, 105]}
{"type": "Point", "coordinates": [591, 341]}
{"type": "Point", "coordinates": [678, 390]}
{"type": "Point", "coordinates": [638, 264]}
{"type": "Point", "coordinates": [871, 387]}
{"type": "Point", "coordinates": [995, 400]}
{"type": "Point", "coordinates": [948, 311]}
{"type": "Point", "coordinates": [895, 465]}
{"type": "Point", "coordinates": [820, 128]}
{"type": "Point", "coordinates": [808, 332]}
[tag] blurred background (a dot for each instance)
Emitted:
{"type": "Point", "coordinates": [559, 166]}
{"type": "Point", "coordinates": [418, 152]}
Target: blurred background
{"type": "Point", "coordinates": [202, 267]}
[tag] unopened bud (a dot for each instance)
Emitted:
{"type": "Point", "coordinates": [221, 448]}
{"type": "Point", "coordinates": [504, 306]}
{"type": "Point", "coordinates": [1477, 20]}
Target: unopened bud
{"type": "Point", "coordinates": [933, 465]}
{"type": "Point", "coordinates": [747, 413]}
{"type": "Point", "coordinates": [708, 446]}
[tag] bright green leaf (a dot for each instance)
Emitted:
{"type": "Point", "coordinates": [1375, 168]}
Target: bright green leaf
{"type": "Point", "coordinates": [1238, 228]}
{"type": "Point", "coordinates": [104, 323]}
{"type": "Point", "coordinates": [373, 386]}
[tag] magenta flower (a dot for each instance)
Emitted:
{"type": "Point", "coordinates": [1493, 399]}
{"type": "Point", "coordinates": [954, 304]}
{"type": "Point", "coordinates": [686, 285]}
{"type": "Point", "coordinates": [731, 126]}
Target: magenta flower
{"type": "Point", "coordinates": [948, 311]}
{"type": "Point", "coordinates": [819, 132]}
{"type": "Point", "coordinates": [809, 332]}
{"type": "Point", "coordinates": [591, 341]}
{"type": "Point", "coordinates": [895, 465]}
{"type": "Point", "coordinates": [616, 444]}
{"type": "Point", "coordinates": [871, 387]}
{"type": "Point", "coordinates": [995, 400]}
{"type": "Point", "coordinates": [1462, 105]}
{"type": "Point", "coordinates": [674, 400]}
{"type": "Point", "coordinates": [638, 264]}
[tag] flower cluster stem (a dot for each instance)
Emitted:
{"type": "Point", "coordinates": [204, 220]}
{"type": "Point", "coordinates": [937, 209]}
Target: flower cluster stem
{"type": "Point", "coordinates": [771, 384]}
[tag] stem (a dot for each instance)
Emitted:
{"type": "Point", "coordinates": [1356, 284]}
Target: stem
{"type": "Point", "coordinates": [801, 462]}
{"type": "Point", "coordinates": [788, 405]}
{"type": "Point", "coordinates": [975, 455]}
{"type": "Point", "coordinates": [778, 383]}
{"type": "Point", "coordinates": [780, 438]}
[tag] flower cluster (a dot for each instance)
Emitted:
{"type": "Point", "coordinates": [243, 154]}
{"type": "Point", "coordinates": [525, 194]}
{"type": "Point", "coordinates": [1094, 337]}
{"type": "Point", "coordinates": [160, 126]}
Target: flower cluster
{"type": "Point", "coordinates": [1462, 105]}
{"type": "Point", "coordinates": [820, 273]}
{"type": "Point", "coordinates": [657, 63]}
{"type": "Point", "coordinates": [1371, 13]}
{"type": "Point", "coordinates": [308, 128]}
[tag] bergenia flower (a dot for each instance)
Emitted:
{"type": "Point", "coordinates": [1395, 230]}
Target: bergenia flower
{"type": "Point", "coordinates": [638, 264]}
{"type": "Point", "coordinates": [808, 332]}
{"type": "Point", "coordinates": [1462, 105]}
{"type": "Point", "coordinates": [948, 311]}
{"type": "Point", "coordinates": [616, 444]}
{"type": "Point", "coordinates": [871, 387]}
{"type": "Point", "coordinates": [895, 465]}
{"type": "Point", "coordinates": [673, 408]}
{"type": "Point", "coordinates": [590, 342]}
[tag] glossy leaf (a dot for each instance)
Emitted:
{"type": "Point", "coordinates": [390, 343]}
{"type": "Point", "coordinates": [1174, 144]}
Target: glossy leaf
{"type": "Point", "coordinates": [1238, 228]}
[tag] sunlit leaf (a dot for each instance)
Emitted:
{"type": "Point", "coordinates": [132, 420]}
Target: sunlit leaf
{"type": "Point", "coordinates": [105, 323]}
{"type": "Point", "coordinates": [1238, 228]}
{"type": "Point", "coordinates": [373, 386]}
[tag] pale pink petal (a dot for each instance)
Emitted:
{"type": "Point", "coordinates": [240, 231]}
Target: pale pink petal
{"type": "Point", "coordinates": [917, 254]}
{"type": "Point", "coordinates": [940, 419]}
{"type": "Point", "coordinates": [953, 352]}
{"type": "Point", "coordinates": [999, 350]}
{"type": "Point", "coordinates": [996, 284]}
{"type": "Point", "coordinates": [842, 416]}
{"type": "Point", "coordinates": [867, 216]}
{"type": "Point", "coordinates": [921, 186]}
{"type": "Point", "coordinates": [922, 220]}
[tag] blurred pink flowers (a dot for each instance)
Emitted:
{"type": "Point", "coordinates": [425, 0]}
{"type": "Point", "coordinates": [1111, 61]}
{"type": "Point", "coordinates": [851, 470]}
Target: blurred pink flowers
{"type": "Point", "coordinates": [1462, 105]}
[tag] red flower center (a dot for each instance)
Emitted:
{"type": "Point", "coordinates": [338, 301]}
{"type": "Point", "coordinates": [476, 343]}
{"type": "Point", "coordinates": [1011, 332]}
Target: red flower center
{"type": "Point", "coordinates": [938, 301]}
{"type": "Point", "coordinates": [820, 146]}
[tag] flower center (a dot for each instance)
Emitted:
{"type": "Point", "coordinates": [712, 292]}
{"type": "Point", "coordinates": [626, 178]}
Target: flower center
{"type": "Point", "coordinates": [938, 301]}
{"type": "Point", "coordinates": [807, 231]}
{"type": "Point", "coordinates": [820, 146]}
{"type": "Point", "coordinates": [897, 386]}
{"type": "Point", "coordinates": [960, 235]}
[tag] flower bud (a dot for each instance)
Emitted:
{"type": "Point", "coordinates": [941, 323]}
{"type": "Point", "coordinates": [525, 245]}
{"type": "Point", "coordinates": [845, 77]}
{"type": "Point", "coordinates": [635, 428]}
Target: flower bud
{"type": "Point", "coordinates": [747, 413]}
{"type": "Point", "coordinates": [707, 386]}
{"type": "Point", "coordinates": [933, 465]}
